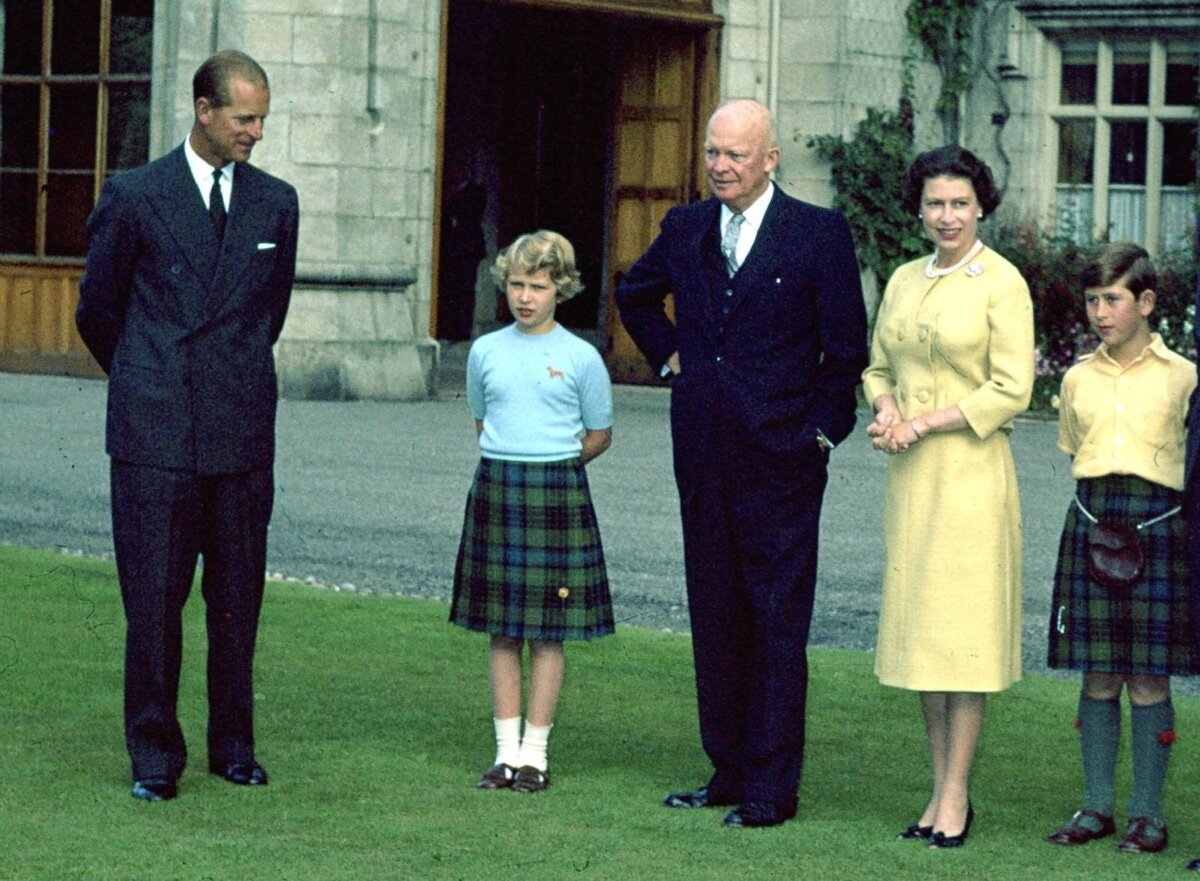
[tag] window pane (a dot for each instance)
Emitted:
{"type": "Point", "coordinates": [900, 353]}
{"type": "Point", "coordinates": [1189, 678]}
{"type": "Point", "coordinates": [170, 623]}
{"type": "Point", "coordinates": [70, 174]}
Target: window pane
{"type": "Point", "coordinates": [1076, 138]}
{"type": "Point", "coordinates": [1181, 76]}
{"type": "Point", "coordinates": [1131, 76]}
{"type": "Point", "coordinates": [18, 207]}
{"type": "Point", "coordinates": [128, 125]}
{"type": "Point", "coordinates": [68, 202]}
{"type": "Point", "coordinates": [1127, 214]}
{"type": "Point", "coordinates": [19, 126]}
{"type": "Point", "coordinates": [76, 40]}
{"type": "Point", "coordinates": [1127, 153]}
{"type": "Point", "coordinates": [1179, 153]}
{"type": "Point", "coordinates": [1075, 214]}
{"type": "Point", "coordinates": [1078, 74]}
{"type": "Point", "coordinates": [21, 24]}
{"type": "Point", "coordinates": [72, 126]}
{"type": "Point", "coordinates": [132, 32]}
{"type": "Point", "coordinates": [1177, 224]}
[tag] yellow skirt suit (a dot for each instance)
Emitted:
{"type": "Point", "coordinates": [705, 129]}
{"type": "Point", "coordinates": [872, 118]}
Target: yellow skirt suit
{"type": "Point", "coordinates": [951, 613]}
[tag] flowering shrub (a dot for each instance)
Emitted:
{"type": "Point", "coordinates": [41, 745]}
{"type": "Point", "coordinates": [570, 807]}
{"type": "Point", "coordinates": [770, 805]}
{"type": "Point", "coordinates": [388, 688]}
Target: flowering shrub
{"type": "Point", "coordinates": [1052, 267]}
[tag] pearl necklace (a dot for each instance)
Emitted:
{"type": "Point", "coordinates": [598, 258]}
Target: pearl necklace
{"type": "Point", "coordinates": [933, 271]}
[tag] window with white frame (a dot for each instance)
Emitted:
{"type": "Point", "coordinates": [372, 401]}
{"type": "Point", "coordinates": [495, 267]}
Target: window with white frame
{"type": "Point", "coordinates": [1125, 116]}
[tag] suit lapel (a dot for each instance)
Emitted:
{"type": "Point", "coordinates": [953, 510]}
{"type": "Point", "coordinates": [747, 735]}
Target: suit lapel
{"type": "Point", "coordinates": [179, 205]}
{"type": "Point", "coordinates": [752, 275]}
{"type": "Point", "coordinates": [240, 237]}
{"type": "Point", "coordinates": [700, 245]}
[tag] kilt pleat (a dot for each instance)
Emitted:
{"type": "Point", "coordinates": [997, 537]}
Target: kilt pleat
{"type": "Point", "coordinates": [530, 564]}
{"type": "Point", "coordinates": [1141, 630]}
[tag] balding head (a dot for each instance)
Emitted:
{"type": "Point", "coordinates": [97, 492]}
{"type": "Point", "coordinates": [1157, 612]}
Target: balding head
{"type": "Point", "coordinates": [747, 112]}
{"type": "Point", "coordinates": [740, 152]}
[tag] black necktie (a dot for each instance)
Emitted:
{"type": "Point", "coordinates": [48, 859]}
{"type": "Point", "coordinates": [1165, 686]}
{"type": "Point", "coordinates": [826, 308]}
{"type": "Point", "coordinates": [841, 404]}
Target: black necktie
{"type": "Point", "coordinates": [216, 206]}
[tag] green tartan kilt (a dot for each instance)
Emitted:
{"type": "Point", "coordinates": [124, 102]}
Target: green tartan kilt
{"type": "Point", "coordinates": [1144, 629]}
{"type": "Point", "coordinates": [530, 564]}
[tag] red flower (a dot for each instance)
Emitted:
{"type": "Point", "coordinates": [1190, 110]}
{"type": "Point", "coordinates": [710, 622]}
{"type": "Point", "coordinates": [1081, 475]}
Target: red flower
{"type": "Point", "coordinates": [1167, 737]}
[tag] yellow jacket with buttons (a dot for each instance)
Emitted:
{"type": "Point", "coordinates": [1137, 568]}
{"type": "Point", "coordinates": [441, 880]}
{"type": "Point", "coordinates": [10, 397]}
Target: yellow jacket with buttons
{"type": "Point", "coordinates": [1129, 420]}
{"type": "Point", "coordinates": [965, 339]}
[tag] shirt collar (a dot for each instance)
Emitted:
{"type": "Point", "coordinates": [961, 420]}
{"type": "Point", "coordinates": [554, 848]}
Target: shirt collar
{"type": "Point", "coordinates": [755, 213]}
{"type": "Point", "coordinates": [202, 172]}
{"type": "Point", "coordinates": [1156, 346]}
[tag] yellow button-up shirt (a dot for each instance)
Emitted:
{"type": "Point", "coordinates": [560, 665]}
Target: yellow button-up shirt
{"type": "Point", "coordinates": [1130, 420]}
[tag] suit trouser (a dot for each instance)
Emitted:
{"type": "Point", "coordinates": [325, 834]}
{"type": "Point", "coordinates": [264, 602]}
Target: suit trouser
{"type": "Point", "coordinates": [163, 520]}
{"type": "Point", "coordinates": [750, 547]}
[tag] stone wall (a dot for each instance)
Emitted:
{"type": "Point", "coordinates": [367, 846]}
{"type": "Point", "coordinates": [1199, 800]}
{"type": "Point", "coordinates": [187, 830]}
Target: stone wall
{"type": "Point", "coordinates": [353, 126]}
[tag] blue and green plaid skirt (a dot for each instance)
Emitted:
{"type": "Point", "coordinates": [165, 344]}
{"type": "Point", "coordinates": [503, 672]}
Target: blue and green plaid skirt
{"type": "Point", "coordinates": [530, 564]}
{"type": "Point", "coordinates": [1144, 629]}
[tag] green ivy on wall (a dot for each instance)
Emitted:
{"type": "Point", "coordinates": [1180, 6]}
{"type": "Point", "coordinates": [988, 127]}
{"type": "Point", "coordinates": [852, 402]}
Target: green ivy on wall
{"type": "Point", "coordinates": [868, 172]}
{"type": "Point", "coordinates": [946, 31]}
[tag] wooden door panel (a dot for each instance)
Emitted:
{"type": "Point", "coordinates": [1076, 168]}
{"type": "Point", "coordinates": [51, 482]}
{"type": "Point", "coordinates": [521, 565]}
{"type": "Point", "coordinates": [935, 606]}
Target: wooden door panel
{"type": "Point", "coordinates": [655, 150]}
{"type": "Point", "coordinates": [37, 321]}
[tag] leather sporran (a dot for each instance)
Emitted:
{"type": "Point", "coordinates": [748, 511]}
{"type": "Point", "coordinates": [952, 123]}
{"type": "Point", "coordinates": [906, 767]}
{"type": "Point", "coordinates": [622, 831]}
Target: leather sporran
{"type": "Point", "coordinates": [1114, 554]}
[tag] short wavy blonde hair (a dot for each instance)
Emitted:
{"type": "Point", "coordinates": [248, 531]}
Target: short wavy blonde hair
{"type": "Point", "coordinates": [535, 251]}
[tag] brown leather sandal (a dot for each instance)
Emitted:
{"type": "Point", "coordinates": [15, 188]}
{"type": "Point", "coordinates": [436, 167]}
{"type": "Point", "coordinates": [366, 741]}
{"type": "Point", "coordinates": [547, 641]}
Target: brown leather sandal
{"type": "Point", "coordinates": [497, 777]}
{"type": "Point", "coordinates": [1087, 825]}
{"type": "Point", "coordinates": [530, 779]}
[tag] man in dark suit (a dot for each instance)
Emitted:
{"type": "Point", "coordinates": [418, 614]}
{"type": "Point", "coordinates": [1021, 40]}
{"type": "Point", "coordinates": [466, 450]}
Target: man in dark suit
{"type": "Point", "coordinates": [765, 351]}
{"type": "Point", "coordinates": [189, 272]}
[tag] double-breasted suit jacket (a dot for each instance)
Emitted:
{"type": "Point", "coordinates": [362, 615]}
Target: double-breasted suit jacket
{"type": "Point", "coordinates": [184, 325]}
{"type": "Point", "coordinates": [769, 361]}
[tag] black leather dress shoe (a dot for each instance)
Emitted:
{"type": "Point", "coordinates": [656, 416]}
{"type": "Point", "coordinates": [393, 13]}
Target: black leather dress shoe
{"type": "Point", "coordinates": [700, 798]}
{"type": "Point", "coordinates": [916, 832]}
{"type": "Point", "coordinates": [242, 773]}
{"type": "Point", "coordinates": [942, 841]}
{"type": "Point", "coordinates": [154, 789]}
{"type": "Point", "coordinates": [758, 815]}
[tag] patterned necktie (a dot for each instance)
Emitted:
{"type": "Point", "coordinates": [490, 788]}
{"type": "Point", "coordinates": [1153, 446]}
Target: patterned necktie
{"type": "Point", "coordinates": [216, 206]}
{"type": "Point", "coordinates": [729, 242]}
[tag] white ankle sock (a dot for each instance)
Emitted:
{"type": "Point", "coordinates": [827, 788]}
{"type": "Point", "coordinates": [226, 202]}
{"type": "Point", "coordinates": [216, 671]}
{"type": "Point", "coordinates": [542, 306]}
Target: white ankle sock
{"type": "Point", "coordinates": [508, 740]}
{"type": "Point", "coordinates": [533, 746]}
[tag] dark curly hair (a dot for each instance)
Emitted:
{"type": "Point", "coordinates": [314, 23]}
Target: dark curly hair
{"type": "Point", "coordinates": [950, 161]}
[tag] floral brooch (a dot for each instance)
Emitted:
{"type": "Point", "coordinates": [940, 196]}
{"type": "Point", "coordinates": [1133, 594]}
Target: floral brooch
{"type": "Point", "coordinates": [975, 270]}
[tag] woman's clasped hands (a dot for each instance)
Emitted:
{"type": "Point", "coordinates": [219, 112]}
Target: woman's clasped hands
{"type": "Point", "coordinates": [890, 432]}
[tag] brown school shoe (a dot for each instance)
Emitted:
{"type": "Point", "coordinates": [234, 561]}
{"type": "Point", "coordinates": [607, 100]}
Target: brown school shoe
{"type": "Point", "coordinates": [497, 777]}
{"type": "Point", "coordinates": [530, 779]}
{"type": "Point", "coordinates": [1087, 825]}
{"type": "Point", "coordinates": [1144, 835]}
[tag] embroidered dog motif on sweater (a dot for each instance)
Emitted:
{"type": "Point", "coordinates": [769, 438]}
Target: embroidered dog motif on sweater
{"type": "Point", "coordinates": [555, 373]}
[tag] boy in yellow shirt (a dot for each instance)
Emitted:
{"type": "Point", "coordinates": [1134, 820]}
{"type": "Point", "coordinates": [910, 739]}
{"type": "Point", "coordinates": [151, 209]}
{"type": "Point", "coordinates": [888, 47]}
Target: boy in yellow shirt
{"type": "Point", "coordinates": [1122, 420]}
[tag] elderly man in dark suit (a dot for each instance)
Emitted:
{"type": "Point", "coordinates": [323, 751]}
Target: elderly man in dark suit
{"type": "Point", "coordinates": [764, 353]}
{"type": "Point", "coordinates": [189, 272]}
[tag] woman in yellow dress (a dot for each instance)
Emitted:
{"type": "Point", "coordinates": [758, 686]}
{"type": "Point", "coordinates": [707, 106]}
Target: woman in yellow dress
{"type": "Point", "coordinates": [951, 365]}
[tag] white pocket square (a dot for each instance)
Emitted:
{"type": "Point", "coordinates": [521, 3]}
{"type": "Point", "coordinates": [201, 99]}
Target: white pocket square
{"type": "Point", "coordinates": [265, 246]}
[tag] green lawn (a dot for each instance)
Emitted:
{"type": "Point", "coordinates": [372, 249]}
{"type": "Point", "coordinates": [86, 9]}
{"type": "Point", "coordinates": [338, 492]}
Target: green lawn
{"type": "Point", "coordinates": [373, 721]}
